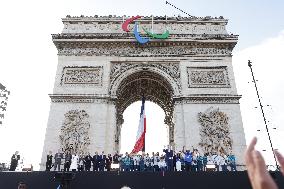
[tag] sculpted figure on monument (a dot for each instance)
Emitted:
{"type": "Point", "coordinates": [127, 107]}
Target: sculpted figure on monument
{"type": "Point", "coordinates": [214, 131]}
{"type": "Point", "coordinates": [75, 132]}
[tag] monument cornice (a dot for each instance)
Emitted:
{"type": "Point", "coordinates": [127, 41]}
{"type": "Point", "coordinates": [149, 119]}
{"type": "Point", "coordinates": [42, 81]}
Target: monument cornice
{"type": "Point", "coordinates": [157, 24]}
{"type": "Point", "coordinates": [115, 18]}
{"type": "Point", "coordinates": [208, 99]}
{"type": "Point", "coordinates": [129, 36]}
{"type": "Point", "coordinates": [127, 40]}
{"type": "Point", "coordinates": [89, 43]}
{"type": "Point", "coordinates": [80, 98]}
{"type": "Point", "coordinates": [105, 36]}
{"type": "Point", "coordinates": [152, 49]}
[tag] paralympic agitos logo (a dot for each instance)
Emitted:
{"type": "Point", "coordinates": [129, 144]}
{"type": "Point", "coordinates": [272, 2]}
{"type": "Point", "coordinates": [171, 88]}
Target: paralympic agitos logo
{"type": "Point", "coordinates": [137, 35]}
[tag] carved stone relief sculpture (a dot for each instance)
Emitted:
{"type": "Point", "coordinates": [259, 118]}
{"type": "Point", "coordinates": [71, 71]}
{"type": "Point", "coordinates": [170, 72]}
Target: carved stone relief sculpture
{"type": "Point", "coordinates": [82, 75]}
{"type": "Point", "coordinates": [214, 131]}
{"type": "Point", "coordinates": [133, 51]}
{"type": "Point", "coordinates": [170, 68]}
{"type": "Point", "coordinates": [205, 77]}
{"type": "Point", "coordinates": [75, 132]}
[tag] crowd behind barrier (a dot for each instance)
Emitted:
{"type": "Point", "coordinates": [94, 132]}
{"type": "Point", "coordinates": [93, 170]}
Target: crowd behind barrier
{"type": "Point", "coordinates": [184, 160]}
{"type": "Point", "coordinates": [169, 160]}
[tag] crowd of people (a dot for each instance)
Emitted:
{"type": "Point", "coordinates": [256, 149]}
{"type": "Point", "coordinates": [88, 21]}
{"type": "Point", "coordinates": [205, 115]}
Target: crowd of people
{"type": "Point", "coordinates": [256, 167]}
{"type": "Point", "coordinates": [169, 160]}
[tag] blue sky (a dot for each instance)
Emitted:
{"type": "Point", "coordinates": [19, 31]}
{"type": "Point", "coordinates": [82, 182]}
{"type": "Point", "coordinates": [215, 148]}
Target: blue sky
{"type": "Point", "coordinates": [253, 20]}
{"type": "Point", "coordinates": [29, 61]}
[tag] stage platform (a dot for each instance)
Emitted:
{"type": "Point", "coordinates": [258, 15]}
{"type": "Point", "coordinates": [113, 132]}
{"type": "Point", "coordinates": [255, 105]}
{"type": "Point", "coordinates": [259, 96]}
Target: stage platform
{"type": "Point", "coordinates": [135, 180]}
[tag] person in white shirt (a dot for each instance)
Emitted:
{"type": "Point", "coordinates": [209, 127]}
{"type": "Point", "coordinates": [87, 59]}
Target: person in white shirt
{"type": "Point", "coordinates": [162, 164]}
{"type": "Point", "coordinates": [194, 161]}
{"type": "Point", "coordinates": [74, 162]}
{"type": "Point", "coordinates": [156, 161]}
{"type": "Point", "coordinates": [178, 163]}
{"type": "Point", "coordinates": [215, 160]}
{"type": "Point", "coordinates": [218, 160]}
{"type": "Point", "coordinates": [136, 160]}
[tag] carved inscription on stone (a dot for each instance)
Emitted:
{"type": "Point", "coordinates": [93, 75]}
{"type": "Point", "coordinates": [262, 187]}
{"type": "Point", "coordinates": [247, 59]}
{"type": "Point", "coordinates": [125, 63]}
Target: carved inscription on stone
{"type": "Point", "coordinates": [82, 75]}
{"type": "Point", "coordinates": [203, 77]}
{"type": "Point", "coordinates": [74, 135]}
{"type": "Point", "coordinates": [214, 131]}
{"type": "Point", "coordinates": [133, 51]}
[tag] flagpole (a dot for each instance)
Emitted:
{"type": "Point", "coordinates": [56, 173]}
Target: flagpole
{"type": "Point", "coordinates": [144, 147]}
{"type": "Point", "coordinates": [152, 24]}
{"type": "Point", "coordinates": [143, 150]}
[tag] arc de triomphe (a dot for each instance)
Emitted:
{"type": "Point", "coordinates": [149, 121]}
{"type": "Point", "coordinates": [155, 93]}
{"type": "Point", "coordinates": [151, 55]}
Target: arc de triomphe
{"type": "Point", "coordinates": [102, 70]}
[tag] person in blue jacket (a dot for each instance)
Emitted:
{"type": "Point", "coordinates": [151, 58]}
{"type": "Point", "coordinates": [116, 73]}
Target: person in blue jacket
{"type": "Point", "coordinates": [199, 163]}
{"type": "Point", "coordinates": [232, 162]}
{"type": "Point", "coordinates": [188, 160]}
{"type": "Point", "coordinates": [127, 162]}
{"type": "Point", "coordinates": [142, 162]}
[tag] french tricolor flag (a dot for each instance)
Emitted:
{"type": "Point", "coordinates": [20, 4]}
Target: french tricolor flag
{"type": "Point", "coordinates": [140, 138]}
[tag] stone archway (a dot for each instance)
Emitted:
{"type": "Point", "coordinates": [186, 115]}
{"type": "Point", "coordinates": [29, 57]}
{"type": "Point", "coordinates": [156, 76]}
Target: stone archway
{"type": "Point", "coordinates": [189, 75]}
{"type": "Point", "coordinates": [155, 81]}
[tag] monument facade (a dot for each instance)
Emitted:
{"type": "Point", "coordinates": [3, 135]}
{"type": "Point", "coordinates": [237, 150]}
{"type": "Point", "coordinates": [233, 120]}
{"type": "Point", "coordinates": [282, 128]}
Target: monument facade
{"type": "Point", "coordinates": [102, 70]}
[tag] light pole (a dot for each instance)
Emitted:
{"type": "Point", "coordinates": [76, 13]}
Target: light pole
{"type": "Point", "coordinates": [263, 115]}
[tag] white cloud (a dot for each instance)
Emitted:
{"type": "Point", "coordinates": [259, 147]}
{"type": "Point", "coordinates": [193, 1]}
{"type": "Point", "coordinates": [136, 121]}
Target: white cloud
{"type": "Point", "coordinates": [267, 60]}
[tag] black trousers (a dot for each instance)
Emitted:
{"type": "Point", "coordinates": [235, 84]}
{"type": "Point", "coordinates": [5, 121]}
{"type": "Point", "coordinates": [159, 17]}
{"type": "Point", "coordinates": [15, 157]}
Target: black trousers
{"type": "Point", "coordinates": [95, 166]}
{"type": "Point", "coordinates": [48, 165]}
{"type": "Point", "coordinates": [67, 166]}
{"type": "Point", "coordinates": [170, 165]}
{"type": "Point", "coordinates": [87, 167]}
{"type": "Point", "coordinates": [217, 167]}
{"type": "Point", "coordinates": [13, 166]}
{"type": "Point", "coordinates": [101, 166]}
{"type": "Point", "coordinates": [156, 168]}
{"type": "Point", "coordinates": [81, 168]}
{"type": "Point", "coordinates": [57, 165]}
{"type": "Point", "coordinates": [188, 166]}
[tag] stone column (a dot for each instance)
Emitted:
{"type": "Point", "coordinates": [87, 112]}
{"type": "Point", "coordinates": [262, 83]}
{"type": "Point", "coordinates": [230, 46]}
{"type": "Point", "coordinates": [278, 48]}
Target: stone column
{"type": "Point", "coordinates": [171, 134]}
{"type": "Point", "coordinates": [111, 128]}
{"type": "Point", "coordinates": [179, 137]}
{"type": "Point", "coordinates": [119, 122]}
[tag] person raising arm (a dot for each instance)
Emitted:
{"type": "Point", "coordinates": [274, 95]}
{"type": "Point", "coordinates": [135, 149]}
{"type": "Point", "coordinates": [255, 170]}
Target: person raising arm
{"type": "Point", "coordinates": [256, 167]}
